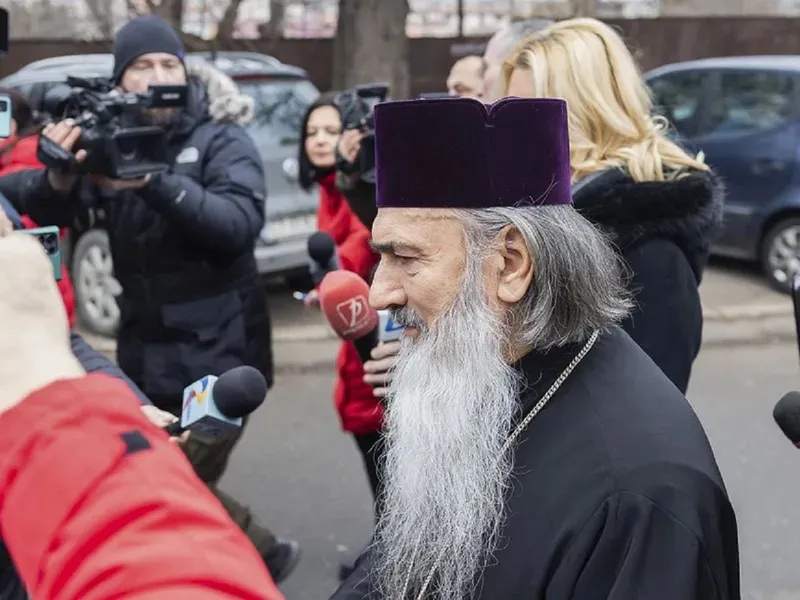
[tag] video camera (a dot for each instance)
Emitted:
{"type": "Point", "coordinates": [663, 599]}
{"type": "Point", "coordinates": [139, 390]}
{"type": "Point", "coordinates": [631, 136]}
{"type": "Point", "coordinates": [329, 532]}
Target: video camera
{"type": "Point", "coordinates": [356, 106]}
{"type": "Point", "coordinates": [113, 147]}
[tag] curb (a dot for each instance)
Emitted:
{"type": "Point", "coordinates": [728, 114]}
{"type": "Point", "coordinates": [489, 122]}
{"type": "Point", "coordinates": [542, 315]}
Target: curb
{"type": "Point", "coordinates": [748, 312]}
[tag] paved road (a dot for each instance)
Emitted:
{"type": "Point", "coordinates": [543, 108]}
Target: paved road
{"type": "Point", "coordinates": [303, 475]}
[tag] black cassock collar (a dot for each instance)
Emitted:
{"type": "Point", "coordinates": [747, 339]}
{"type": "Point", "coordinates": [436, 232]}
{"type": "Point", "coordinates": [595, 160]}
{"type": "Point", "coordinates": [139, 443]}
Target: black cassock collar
{"type": "Point", "coordinates": [538, 371]}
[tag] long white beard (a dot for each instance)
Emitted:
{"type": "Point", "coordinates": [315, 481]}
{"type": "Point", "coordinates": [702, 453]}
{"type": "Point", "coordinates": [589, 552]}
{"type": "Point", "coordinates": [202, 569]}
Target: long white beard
{"type": "Point", "coordinates": [449, 414]}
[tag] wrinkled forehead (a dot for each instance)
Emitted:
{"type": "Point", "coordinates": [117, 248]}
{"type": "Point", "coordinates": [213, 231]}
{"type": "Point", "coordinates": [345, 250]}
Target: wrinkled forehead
{"type": "Point", "coordinates": [422, 227]}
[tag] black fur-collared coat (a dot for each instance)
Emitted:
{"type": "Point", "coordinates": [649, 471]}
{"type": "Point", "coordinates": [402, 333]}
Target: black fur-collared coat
{"type": "Point", "coordinates": [664, 231]}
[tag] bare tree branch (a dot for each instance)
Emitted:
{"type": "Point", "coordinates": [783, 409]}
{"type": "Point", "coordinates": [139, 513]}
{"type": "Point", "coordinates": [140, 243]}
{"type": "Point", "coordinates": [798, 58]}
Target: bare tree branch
{"type": "Point", "coordinates": [103, 15]}
{"type": "Point", "coordinates": [227, 23]}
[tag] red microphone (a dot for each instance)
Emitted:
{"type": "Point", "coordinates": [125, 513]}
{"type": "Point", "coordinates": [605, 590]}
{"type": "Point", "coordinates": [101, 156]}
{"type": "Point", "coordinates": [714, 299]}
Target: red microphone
{"type": "Point", "coordinates": [344, 300]}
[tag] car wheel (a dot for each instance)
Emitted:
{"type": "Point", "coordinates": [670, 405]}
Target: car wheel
{"type": "Point", "coordinates": [95, 286]}
{"type": "Point", "coordinates": [780, 253]}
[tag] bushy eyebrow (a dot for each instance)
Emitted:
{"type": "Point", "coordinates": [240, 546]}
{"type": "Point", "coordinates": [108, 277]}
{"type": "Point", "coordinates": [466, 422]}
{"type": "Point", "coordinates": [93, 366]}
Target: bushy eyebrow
{"type": "Point", "coordinates": [394, 247]}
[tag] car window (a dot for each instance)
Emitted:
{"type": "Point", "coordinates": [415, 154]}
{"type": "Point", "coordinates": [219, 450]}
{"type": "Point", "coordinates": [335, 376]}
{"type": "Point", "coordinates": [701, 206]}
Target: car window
{"type": "Point", "coordinates": [677, 97]}
{"type": "Point", "coordinates": [750, 102]}
{"type": "Point", "coordinates": [280, 105]}
{"type": "Point", "coordinates": [23, 88]}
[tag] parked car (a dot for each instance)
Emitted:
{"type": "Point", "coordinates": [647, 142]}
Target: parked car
{"type": "Point", "coordinates": [743, 113]}
{"type": "Point", "coordinates": [282, 94]}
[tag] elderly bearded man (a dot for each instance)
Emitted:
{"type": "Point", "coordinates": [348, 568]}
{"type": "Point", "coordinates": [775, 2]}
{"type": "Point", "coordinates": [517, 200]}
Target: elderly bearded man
{"type": "Point", "coordinates": [534, 451]}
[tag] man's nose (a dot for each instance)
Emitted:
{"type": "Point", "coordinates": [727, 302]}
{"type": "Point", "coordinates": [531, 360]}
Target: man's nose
{"type": "Point", "coordinates": [160, 75]}
{"type": "Point", "coordinates": [384, 292]}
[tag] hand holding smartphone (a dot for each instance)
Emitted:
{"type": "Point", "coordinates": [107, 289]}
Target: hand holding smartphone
{"type": "Point", "coordinates": [49, 239]}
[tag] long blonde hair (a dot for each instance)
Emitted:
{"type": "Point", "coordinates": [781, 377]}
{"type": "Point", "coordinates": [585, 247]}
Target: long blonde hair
{"type": "Point", "coordinates": [611, 121]}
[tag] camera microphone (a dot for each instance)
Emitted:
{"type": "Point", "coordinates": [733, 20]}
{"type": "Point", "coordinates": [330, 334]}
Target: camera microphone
{"type": "Point", "coordinates": [787, 415]}
{"type": "Point", "coordinates": [216, 405]}
{"type": "Point", "coordinates": [322, 251]}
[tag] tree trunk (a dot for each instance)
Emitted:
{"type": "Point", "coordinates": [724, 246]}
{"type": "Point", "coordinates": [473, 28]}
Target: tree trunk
{"type": "Point", "coordinates": [371, 45]}
{"type": "Point", "coordinates": [273, 29]}
{"type": "Point", "coordinates": [585, 8]}
{"type": "Point", "coordinates": [227, 24]}
{"type": "Point", "coordinates": [171, 10]}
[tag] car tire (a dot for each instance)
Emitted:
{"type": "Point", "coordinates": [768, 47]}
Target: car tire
{"type": "Point", "coordinates": [781, 239]}
{"type": "Point", "coordinates": [95, 286]}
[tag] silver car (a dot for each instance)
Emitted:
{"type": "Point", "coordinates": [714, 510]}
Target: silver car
{"type": "Point", "coordinates": [282, 94]}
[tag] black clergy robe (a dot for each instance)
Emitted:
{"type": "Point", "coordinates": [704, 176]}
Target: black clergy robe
{"type": "Point", "coordinates": [616, 494]}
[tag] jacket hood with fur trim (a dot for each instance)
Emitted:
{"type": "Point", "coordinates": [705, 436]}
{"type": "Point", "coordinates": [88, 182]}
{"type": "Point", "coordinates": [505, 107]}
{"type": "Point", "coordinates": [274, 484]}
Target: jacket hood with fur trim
{"type": "Point", "coordinates": [214, 95]}
{"type": "Point", "coordinates": [686, 210]}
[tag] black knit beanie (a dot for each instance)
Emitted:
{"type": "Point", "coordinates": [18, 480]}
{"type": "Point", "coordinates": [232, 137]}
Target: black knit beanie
{"type": "Point", "coordinates": [144, 35]}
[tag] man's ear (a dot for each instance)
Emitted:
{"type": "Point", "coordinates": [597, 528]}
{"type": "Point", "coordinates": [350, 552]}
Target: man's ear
{"type": "Point", "coordinates": [516, 274]}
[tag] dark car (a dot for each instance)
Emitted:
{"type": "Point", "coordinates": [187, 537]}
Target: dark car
{"type": "Point", "coordinates": [282, 93]}
{"type": "Point", "coordinates": [743, 113]}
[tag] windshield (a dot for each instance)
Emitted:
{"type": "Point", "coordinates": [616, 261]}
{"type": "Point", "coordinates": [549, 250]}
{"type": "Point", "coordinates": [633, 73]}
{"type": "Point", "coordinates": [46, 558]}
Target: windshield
{"type": "Point", "coordinates": [280, 105]}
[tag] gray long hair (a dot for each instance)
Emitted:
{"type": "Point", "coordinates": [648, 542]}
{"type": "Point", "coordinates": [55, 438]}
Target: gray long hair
{"type": "Point", "coordinates": [579, 279]}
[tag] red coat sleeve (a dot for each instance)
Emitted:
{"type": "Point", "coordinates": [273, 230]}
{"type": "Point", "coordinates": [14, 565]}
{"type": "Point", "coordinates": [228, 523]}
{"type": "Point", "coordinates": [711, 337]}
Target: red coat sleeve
{"type": "Point", "coordinates": [97, 503]}
{"type": "Point", "coordinates": [354, 252]}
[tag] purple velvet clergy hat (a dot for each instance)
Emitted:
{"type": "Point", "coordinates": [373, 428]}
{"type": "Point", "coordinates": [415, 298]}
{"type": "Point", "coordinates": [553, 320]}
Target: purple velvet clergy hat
{"type": "Point", "coordinates": [461, 153]}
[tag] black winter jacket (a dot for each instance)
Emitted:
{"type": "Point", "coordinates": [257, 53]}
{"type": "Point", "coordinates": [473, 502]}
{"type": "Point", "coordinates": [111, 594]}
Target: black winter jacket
{"type": "Point", "coordinates": [192, 303]}
{"type": "Point", "coordinates": [664, 231]}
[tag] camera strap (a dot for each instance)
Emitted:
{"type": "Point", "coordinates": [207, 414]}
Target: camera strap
{"type": "Point", "coordinates": [54, 157]}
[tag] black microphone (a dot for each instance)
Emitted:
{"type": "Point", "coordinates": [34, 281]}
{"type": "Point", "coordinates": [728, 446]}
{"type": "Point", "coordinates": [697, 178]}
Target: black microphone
{"type": "Point", "coordinates": [322, 251]}
{"type": "Point", "coordinates": [787, 415]}
{"type": "Point", "coordinates": [216, 405]}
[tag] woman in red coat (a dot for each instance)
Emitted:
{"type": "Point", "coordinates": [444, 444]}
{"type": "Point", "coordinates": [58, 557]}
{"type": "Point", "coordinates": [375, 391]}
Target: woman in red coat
{"type": "Point", "coordinates": [17, 153]}
{"type": "Point", "coordinates": [359, 410]}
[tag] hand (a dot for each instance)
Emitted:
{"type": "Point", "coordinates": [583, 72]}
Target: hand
{"type": "Point", "coordinates": [35, 349]}
{"type": "Point", "coordinates": [161, 419]}
{"type": "Point", "coordinates": [312, 299]}
{"type": "Point", "coordinates": [350, 144]}
{"type": "Point", "coordinates": [119, 185]}
{"type": "Point", "coordinates": [378, 371]}
{"type": "Point", "coordinates": [6, 226]}
{"type": "Point", "coordinates": [65, 134]}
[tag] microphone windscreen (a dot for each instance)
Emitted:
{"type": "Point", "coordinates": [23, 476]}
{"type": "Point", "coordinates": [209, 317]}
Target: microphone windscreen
{"type": "Point", "coordinates": [240, 391]}
{"type": "Point", "coordinates": [787, 415]}
{"type": "Point", "coordinates": [344, 300]}
{"type": "Point", "coordinates": [321, 247]}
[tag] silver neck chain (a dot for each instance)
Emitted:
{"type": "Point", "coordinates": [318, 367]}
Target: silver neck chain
{"type": "Point", "coordinates": [521, 427]}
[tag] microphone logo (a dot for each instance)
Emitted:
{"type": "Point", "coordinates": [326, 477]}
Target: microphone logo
{"type": "Point", "coordinates": [353, 312]}
{"type": "Point", "coordinates": [198, 392]}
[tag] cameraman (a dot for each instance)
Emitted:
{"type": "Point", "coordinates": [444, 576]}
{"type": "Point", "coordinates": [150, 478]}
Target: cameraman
{"type": "Point", "coordinates": [182, 242]}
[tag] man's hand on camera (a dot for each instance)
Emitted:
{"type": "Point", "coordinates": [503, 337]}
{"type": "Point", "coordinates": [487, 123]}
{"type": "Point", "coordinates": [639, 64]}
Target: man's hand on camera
{"type": "Point", "coordinates": [119, 185]}
{"type": "Point", "coordinates": [378, 371]}
{"type": "Point", "coordinates": [350, 144]}
{"type": "Point", "coordinates": [65, 134]}
{"type": "Point", "coordinates": [35, 348]}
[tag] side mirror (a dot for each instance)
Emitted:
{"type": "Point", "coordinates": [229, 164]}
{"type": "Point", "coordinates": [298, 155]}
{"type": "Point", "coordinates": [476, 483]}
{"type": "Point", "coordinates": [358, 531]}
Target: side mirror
{"type": "Point", "coordinates": [291, 169]}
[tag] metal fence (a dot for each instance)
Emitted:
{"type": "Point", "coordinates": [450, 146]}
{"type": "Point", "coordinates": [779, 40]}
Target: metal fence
{"type": "Point", "coordinates": [655, 42]}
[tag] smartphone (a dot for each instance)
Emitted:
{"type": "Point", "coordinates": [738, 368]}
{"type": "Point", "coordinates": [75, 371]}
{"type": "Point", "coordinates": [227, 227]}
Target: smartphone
{"type": "Point", "coordinates": [796, 303]}
{"type": "Point", "coordinates": [5, 116]}
{"type": "Point", "coordinates": [51, 242]}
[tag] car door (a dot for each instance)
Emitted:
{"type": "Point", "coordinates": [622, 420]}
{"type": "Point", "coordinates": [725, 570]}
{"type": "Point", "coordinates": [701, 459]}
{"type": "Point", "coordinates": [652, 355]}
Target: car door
{"type": "Point", "coordinates": [678, 96]}
{"type": "Point", "coordinates": [749, 134]}
{"type": "Point", "coordinates": [280, 104]}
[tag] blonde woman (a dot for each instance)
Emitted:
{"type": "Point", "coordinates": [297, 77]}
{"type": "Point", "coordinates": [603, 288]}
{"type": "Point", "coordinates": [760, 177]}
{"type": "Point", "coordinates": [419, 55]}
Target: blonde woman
{"type": "Point", "coordinates": [660, 204]}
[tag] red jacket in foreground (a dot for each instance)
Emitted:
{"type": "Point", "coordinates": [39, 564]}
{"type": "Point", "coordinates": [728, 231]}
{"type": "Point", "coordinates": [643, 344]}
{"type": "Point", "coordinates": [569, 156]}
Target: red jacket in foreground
{"type": "Point", "coordinates": [359, 410]}
{"type": "Point", "coordinates": [97, 503]}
